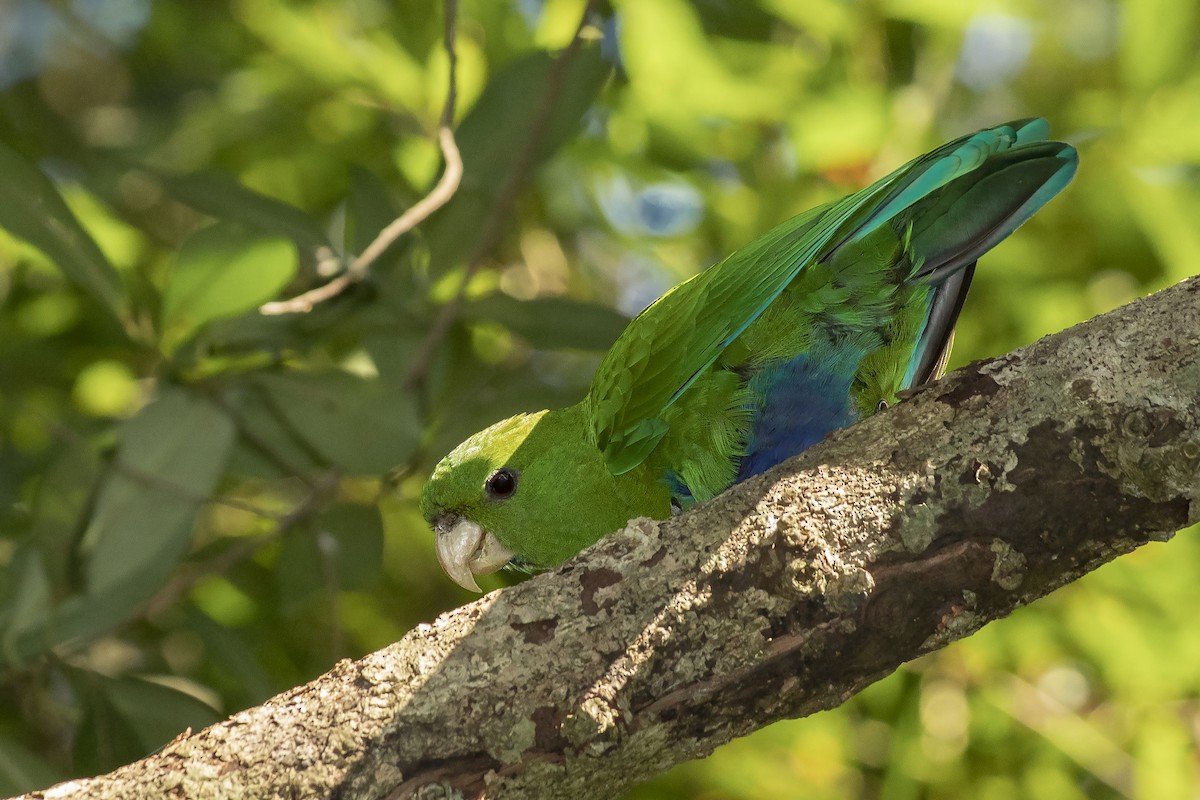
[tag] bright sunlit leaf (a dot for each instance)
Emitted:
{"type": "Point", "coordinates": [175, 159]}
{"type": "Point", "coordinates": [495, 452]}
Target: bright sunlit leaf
{"type": "Point", "coordinates": [222, 271]}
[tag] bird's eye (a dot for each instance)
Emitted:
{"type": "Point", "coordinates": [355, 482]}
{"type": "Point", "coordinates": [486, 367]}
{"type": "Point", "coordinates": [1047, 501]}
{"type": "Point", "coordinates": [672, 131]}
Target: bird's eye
{"type": "Point", "coordinates": [502, 484]}
{"type": "Point", "coordinates": [882, 405]}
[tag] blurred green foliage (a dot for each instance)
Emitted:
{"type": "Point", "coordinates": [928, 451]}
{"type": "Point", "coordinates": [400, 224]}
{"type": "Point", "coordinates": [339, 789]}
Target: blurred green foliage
{"type": "Point", "coordinates": [193, 514]}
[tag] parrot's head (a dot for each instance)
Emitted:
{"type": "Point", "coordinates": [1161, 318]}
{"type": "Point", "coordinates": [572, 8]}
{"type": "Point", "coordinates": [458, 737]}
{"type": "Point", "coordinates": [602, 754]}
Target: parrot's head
{"type": "Point", "coordinates": [532, 490]}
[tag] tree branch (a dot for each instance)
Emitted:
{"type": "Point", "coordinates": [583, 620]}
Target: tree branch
{"type": "Point", "coordinates": [783, 596]}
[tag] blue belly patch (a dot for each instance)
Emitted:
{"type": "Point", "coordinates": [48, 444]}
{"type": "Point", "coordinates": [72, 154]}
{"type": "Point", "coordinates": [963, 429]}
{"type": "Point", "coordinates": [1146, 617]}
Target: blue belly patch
{"type": "Point", "coordinates": [803, 401]}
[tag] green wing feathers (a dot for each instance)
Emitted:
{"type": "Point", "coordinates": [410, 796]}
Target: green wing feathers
{"type": "Point", "coordinates": [942, 210]}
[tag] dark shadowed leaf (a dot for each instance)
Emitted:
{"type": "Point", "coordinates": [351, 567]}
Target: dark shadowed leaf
{"type": "Point", "coordinates": [166, 465]}
{"type": "Point", "coordinates": [392, 353]}
{"type": "Point", "coordinates": [25, 605]}
{"type": "Point", "coordinates": [157, 713]}
{"type": "Point", "coordinates": [128, 718]}
{"type": "Point", "coordinates": [59, 510]}
{"type": "Point", "coordinates": [31, 209]}
{"type": "Point", "coordinates": [300, 578]}
{"type": "Point", "coordinates": [168, 461]}
{"type": "Point", "coordinates": [369, 209]}
{"type": "Point", "coordinates": [104, 737]}
{"type": "Point", "coordinates": [243, 678]}
{"type": "Point", "coordinates": [358, 425]}
{"type": "Point", "coordinates": [222, 197]}
{"type": "Point", "coordinates": [551, 322]}
{"type": "Point", "coordinates": [22, 769]}
{"type": "Point", "coordinates": [358, 534]}
{"type": "Point", "coordinates": [271, 447]}
{"type": "Point", "coordinates": [341, 551]}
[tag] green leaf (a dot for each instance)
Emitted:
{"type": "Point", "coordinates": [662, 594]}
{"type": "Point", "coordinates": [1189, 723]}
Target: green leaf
{"type": "Point", "coordinates": [104, 738]}
{"type": "Point", "coordinates": [301, 584]}
{"type": "Point", "coordinates": [233, 655]}
{"type": "Point", "coordinates": [170, 456]}
{"type": "Point", "coordinates": [157, 713]}
{"type": "Point", "coordinates": [59, 512]}
{"type": "Point", "coordinates": [25, 604]}
{"type": "Point", "coordinates": [168, 462]}
{"type": "Point", "coordinates": [356, 424]}
{"type": "Point", "coordinates": [369, 209]}
{"type": "Point", "coordinates": [551, 322]}
{"type": "Point", "coordinates": [22, 769]}
{"type": "Point", "coordinates": [272, 448]}
{"type": "Point", "coordinates": [222, 197]}
{"type": "Point", "coordinates": [31, 209]}
{"type": "Point", "coordinates": [358, 533]}
{"type": "Point", "coordinates": [127, 718]}
{"type": "Point", "coordinates": [392, 351]}
{"type": "Point", "coordinates": [496, 130]}
{"type": "Point", "coordinates": [342, 550]}
{"type": "Point", "coordinates": [222, 271]}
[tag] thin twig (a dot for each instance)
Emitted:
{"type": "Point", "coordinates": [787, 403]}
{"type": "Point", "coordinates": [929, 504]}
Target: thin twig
{"type": "Point", "coordinates": [441, 193]}
{"type": "Point", "coordinates": [505, 200]}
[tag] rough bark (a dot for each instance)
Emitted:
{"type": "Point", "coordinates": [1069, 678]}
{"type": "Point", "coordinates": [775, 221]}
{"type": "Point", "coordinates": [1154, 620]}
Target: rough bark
{"type": "Point", "coordinates": [784, 596]}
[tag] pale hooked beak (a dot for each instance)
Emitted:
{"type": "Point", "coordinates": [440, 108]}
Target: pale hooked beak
{"type": "Point", "coordinates": [465, 549]}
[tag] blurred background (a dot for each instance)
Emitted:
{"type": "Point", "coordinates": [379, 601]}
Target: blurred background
{"type": "Point", "coordinates": [201, 505]}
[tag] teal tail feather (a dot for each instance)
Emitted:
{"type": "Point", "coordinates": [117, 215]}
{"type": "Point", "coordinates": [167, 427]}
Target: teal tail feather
{"type": "Point", "coordinates": [959, 202]}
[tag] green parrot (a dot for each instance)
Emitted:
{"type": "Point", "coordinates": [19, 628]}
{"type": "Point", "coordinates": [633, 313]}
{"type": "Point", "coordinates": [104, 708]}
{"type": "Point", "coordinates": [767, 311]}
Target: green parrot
{"type": "Point", "coordinates": [820, 322]}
